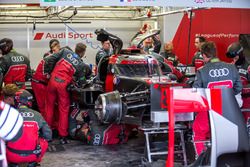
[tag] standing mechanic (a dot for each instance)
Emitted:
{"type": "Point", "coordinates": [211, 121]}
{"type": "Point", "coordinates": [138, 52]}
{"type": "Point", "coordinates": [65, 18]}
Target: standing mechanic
{"type": "Point", "coordinates": [40, 78]}
{"type": "Point", "coordinates": [105, 51]}
{"type": "Point", "coordinates": [54, 46]}
{"type": "Point", "coordinates": [214, 73]}
{"type": "Point", "coordinates": [14, 67]}
{"type": "Point", "coordinates": [198, 60]}
{"type": "Point", "coordinates": [68, 68]}
{"type": "Point", "coordinates": [32, 145]}
{"type": "Point", "coordinates": [11, 128]}
{"type": "Point", "coordinates": [151, 44]}
{"type": "Point", "coordinates": [169, 55]}
{"type": "Point", "coordinates": [235, 51]}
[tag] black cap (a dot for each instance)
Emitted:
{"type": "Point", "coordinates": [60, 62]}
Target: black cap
{"type": "Point", "coordinates": [234, 49]}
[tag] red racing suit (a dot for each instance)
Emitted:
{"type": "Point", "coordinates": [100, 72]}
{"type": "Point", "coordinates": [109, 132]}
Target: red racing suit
{"type": "Point", "coordinates": [92, 132]}
{"type": "Point", "coordinates": [198, 61]}
{"type": "Point", "coordinates": [32, 145]}
{"type": "Point", "coordinates": [15, 68]}
{"type": "Point", "coordinates": [67, 68]}
{"type": "Point", "coordinates": [244, 71]}
{"type": "Point", "coordinates": [214, 73]}
{"type": "Point", "coordinates": [39, 86]}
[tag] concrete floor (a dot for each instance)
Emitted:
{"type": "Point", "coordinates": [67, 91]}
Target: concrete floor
{"type": "Point", "coordinates": [77, 154]}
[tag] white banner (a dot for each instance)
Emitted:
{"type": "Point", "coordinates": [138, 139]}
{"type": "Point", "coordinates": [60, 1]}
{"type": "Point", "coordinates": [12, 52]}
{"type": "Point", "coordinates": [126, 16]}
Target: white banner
{"type": "Point", "coordinates": [176, 3]}
{"type": "Point", "coordinates": [34, 43]}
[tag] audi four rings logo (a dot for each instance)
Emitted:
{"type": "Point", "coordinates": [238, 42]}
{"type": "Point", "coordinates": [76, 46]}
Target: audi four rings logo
{"type": "Point", "coordinates": [97, 139]}
{"type": "Point", "coordinates": [17, 58]}
{"type": "Point", "coordinates": [72, 59]}
{"type": "Point", "coordinates": [27, 114]}
{"type": "Point", "coordinates": [219, 72]}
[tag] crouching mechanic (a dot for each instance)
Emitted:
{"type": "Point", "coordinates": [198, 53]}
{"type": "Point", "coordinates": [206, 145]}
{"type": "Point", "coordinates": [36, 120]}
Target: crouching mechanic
{"type": "Point", "coordinates": [213, 74]}
{"type": "Point", "coordinates": [10, 128]}
{"type": "Point", "coordinates": [32, 145]}
{"type": "Point", "coordinates": [84, 126]}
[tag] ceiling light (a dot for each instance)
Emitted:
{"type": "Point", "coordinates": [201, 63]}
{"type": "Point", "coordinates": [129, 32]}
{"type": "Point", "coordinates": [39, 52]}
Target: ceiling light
{"type": "Point", "coordinates": [13, 6]}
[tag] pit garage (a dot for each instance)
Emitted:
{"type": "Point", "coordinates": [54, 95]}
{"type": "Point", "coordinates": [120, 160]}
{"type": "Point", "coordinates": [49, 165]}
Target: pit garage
{"type": "Point", "coordinates": [124, 81]}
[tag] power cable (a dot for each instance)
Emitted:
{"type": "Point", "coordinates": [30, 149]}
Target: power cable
{"type": "Point", "coordinates": [88, 42]}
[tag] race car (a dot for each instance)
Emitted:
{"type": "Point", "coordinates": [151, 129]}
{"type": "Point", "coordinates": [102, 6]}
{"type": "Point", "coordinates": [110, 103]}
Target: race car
{"type": "Point", "coordinates": [123, 83]}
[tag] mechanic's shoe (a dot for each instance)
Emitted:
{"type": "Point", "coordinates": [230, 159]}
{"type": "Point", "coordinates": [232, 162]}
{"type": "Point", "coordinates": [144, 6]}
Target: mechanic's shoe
{"type": "Point", "coordinates": [64, 140]}
{"type": "Point", "coordinates": [13, 165]}
{"type": "Point", "coordinates": [32, 164]}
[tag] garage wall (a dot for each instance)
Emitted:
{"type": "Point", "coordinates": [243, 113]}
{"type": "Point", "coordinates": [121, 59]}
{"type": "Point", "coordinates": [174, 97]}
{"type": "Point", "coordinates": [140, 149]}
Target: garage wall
{"type": "Point", "coordinates": [219, 25]}
{"type": "Point", "coordinates": [168, 25]}
{"type": "Point", "coordinates": [34, 43]}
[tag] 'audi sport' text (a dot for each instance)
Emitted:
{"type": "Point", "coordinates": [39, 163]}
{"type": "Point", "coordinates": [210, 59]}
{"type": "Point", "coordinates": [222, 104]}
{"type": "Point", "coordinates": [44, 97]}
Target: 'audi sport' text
{"type": "Point", "coordinates": [71, 35]}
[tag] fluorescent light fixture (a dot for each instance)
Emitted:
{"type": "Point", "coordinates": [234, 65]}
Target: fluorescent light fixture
{"type": "Point", "coordinates": [13, 6]}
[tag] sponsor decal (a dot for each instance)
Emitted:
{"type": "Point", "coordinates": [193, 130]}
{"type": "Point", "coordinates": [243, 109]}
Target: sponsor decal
{"type": "Point", "coordinates": [218, 35]}
{"type": "Point", "coordinates": [62, 35]}
{"type": "Point", "coordinates": [97, 139]}
{"type": "Point", "coordinates": [199, 1]}
{"type": "Point", "coordinates": [27, 114]}
{"type": "Point", "coordinates": [125, 0]}
{"type": "Point", "coordinates": [38, 36]}
{"type": "Point", "coordinates": [213, 1]}
{"type": "Point", "coordinates": [218, 72]}
{"type": "Point", "coordinates": [72, 59]}
{"type": "Point", "coordinates": [17, 59]}
{"type": "Point", "coordinates": [243, 71]}
{"type": "Point", "coordinates": [220, 84]}
{"type": "Point", "coordinates": [49, 0]}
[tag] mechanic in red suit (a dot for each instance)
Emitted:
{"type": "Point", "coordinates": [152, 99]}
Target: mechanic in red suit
{"type": "Point", "coordinates": [14, 67]}
{"type": "Point", "coordinates": [40, 79]}
{"type": "Point", "coordinates": [66, 67]}
{"type": "Point", "coordinates": [214, 73]}
{"type": "Point", "coordinates": [54, 46]}
{"type": "Point", "coordinates": [198, 60]}
{"type": "Point", "coordinates": [33, 143]}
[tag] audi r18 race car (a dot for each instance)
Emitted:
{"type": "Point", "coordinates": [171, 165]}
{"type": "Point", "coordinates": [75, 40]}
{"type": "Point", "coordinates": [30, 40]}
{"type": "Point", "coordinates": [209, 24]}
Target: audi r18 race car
{"type": "Point", "coordinates": [123, 84]}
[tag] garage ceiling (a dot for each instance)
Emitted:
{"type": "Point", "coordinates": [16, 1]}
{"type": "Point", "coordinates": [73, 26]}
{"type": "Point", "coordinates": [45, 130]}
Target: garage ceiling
{"type": "Point", "coordinates": [13, 13]}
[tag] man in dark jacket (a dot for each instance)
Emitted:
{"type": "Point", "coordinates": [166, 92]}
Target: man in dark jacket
{"type": "Point", "coordinates": [235, 52]}
{"type": "Point", "coordinates": [14, 67]}
{"type": "Point", "coordinates": [105, 51]}
{"type": "Point", "coordinates": [32, 145]}
{"type": "Point", "coordinates": [213, 74]}
{"type": "Point", "coordinates": [66, 67]}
